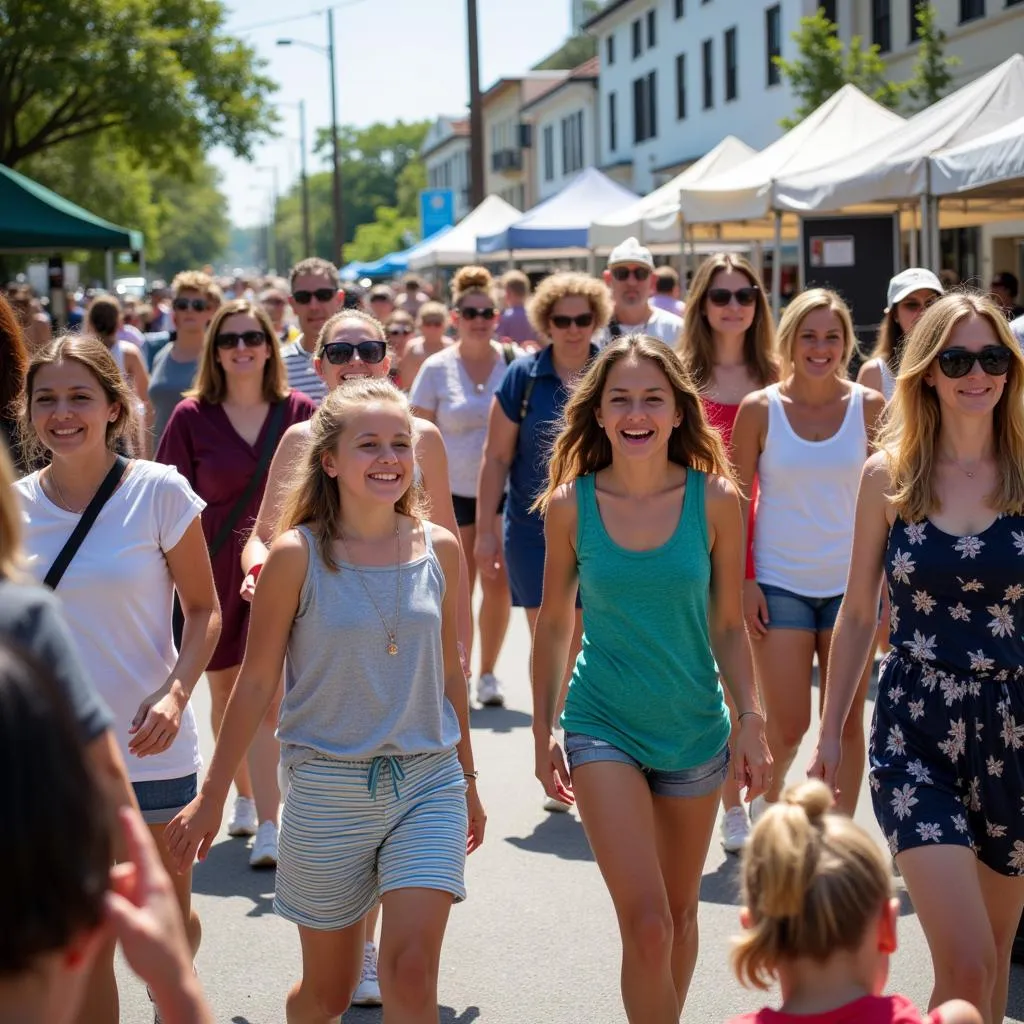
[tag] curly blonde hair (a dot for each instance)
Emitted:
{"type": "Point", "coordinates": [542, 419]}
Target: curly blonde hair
{"type": "Point", "coordinates": [472, 280]}
{"type": "Point", "coordinates": [561, 286]}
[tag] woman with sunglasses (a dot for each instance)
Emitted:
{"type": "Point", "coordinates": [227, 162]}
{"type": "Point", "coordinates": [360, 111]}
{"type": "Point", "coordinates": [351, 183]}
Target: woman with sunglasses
{"type": "Point", "coordinates": [728, 348]}
{"type": "Point", "coordinates": [215, 438]}
{"type": "Point", "coordinates": [911, 292]}
{"type": "Point", "coordinates": [431, 322]}
{"type": "Point", "coordinates": [941, 512]}
{"type": "Point", "coordinates": [454, 389]}
{"type": "Point", "coordinates": [806, 439]}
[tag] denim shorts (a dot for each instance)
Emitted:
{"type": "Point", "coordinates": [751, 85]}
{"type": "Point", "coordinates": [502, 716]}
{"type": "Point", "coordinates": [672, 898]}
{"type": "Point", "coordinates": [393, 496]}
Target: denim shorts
{"type": "Point", "coordinates": [161, 799]}
{"type": "Point", "coordinates": [787, 610]}
{"type": "Point", "coordinates": [692, 782]}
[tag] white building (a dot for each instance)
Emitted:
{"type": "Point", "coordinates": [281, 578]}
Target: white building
{"type": "Point", "coordinates": [445, 153]}
{"type": "Point", "coordinates": [564, 127]}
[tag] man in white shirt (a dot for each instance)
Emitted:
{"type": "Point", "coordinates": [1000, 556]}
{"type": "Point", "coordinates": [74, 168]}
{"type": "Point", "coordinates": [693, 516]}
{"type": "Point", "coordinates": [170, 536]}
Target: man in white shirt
{"type": "Point", "coordinates": [316, 297]}
{"type": "Point", "coordinates": [630, 277]}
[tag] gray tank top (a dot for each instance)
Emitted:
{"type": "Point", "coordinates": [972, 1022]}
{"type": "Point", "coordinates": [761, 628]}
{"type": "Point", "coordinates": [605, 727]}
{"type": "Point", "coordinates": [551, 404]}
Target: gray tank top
{"type": "Point", "coordinates": [345, 696]}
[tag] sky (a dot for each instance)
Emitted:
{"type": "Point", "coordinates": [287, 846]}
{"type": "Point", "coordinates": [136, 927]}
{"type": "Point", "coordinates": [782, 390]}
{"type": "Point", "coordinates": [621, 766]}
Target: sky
{"type": "Point", "coordinates": [396, 60]}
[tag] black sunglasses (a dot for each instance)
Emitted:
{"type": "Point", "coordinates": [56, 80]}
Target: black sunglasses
{"type": "Point", "coordinates": [958, 362]}
{"type": "Point", "coordinates": [399, 330]}
{"type": "Point", "coordinates": [432, 323]}
{"type": "Point", "coordinates": [563, 322]}
{"type": "Point", "coordinates": [723, 296]}
{"type": "Point", "coordinates": [250, 339]}
{"type": "Point", "coordinates": [199, 305]}
{"type": "Point", "coordinates": [624, 273]}
{"type": "Point", "coordinates": [304, 298]}
{"type": "Point", "coordinates": [470, 313]}
{"type": "Point", "coordinates": [340, 352]}
{"type": "Point", "coordinates": [913, 305]}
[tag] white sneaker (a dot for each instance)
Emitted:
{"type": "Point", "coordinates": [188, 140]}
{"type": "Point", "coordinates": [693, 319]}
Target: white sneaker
{"type": "Point", "coordinates": [735, 830]}
{"type": "Point", "coordinates": [243, 818]}
{"type": "Point", "coordinates": [757, 808]}
{"type": "Point", "coordinates": [264, 848]}
{"type": "Point", "coordinates": [367, 992]}
{"type": "Point", "coordinates": [489, 692]}
{"type": "Point", "coordinates": [553, 806]}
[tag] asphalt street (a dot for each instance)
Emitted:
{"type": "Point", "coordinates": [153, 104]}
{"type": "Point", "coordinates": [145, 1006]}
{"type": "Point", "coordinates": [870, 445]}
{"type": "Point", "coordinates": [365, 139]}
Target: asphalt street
{"type": "Point", "coordinates": [535, 943]}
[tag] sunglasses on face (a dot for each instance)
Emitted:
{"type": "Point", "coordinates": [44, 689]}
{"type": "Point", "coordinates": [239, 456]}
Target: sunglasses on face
{"type": "Point", "coordinates": [916, 305]}
{"type": "Point", "coordinates": [432, 323]}
{"type": "Point", "coordinates": [199, 305]}
{"type": "Point", "coordinates": [958, 362]}
{"type": "Point", "coordinates": [304, 298]}
{"type": "Point", "coordinates": [723, 296]}
{"type": "Point", "coordinates": [395, 331]}
{"type": "Point", "coordinates": [273, 302]}
{"type": "Point", "coordinates": [340, 352]}
{"type": "Point", "coordinates": [471, 313]}
{"type": "Point", "coordinates": [564, 322]}
{"type": "Point", "coordinates": [625, 273]}
{"type": "Point", "coordinates": [250, 339]}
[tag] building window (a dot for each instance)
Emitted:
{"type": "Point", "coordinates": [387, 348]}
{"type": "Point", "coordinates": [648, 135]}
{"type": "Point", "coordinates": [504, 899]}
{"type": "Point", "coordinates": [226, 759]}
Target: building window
{"type": "Point", "coordinates": [773, 42]}
{"type": "Point", "coordinates": [549, 152]}
{"type": "Point", "coordinates": [572, 143]}
{"type": "Point", "coordinates": [681, 86]}
{"type": "Point", "coordinates": [731, 71]}
{"type": "Point", "coordinates": [613, 122]}
{"type": "Point", "coordinates": [637, 38]}
{"type": "Point", "coordinates": [609, 50]}
{"type": "Point", "coordinates": [680, 8]}
{"type": "Point", "coordinates": [830, 7]}
{"type": "Point", "coordinates": [707, 62]}
{"type": "Point", "coordinates": [652, 35]}
{"type": "Point", "coordinates": [645, 109]}
{"type": "Point", "coordinates": [915, 6]}
{"type": "Point", "coordinates": [970, 10]}
{"type": "Point", "coordinates": [881, 24]}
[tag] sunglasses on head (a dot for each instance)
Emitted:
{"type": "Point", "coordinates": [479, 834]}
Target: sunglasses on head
{"type": "Point", "coordinates": [471, 312]}
{"type": "Point", "coordinates": [340, 352]}
{"type": "Point", "coordinates": [199, 305]}
{"type": "Point", "coordinates": [958, 362]}
{"type": "Point", "coordinates": [625, 273]}
{"type": "Point", "coordinates": [563, 322]}
{"type": "Point", "coordinates": [304, 298]}
{"type": "Point", "coordinates": [723, 296]}
{"type": "Point", "coordinates": [395, 331]}
{"type": "Point", "coordinates": [250, 339]}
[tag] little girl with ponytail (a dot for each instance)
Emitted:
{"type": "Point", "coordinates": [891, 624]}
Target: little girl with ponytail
{"type": "Point", "coordinates": [819, 917]}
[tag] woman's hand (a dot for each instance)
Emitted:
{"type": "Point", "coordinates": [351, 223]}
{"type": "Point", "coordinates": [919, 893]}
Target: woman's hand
{"type": "Point", "coordinates": [825, 762]}
{"type": "Point", "coordinates": [477, 817]}
{"type": "Point", "coordinates": [752, 765]}
{"type": "Point", "coordinates": [193, 831]}
{"type": "Point", "coordinates": [552, 770]}
{"type": "Point", "coordinates": [755, 610]}
{"type": "Point", "coordinates": [157, 721]}
{"type": "Point", "coordinates": [488, 554]}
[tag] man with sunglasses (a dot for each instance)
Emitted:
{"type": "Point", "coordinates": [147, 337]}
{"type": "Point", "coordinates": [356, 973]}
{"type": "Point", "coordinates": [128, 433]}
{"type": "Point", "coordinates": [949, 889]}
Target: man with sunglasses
{"type": "Point", "coordinates": [630, 278]}
{"type": "Point", "coordinates": [316, 297]}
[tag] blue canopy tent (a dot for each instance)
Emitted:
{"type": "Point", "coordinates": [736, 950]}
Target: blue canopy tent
{"type": "Point", "coordinates": [394, 263]}
{"type": "Point", "coordinates": [563, 221]}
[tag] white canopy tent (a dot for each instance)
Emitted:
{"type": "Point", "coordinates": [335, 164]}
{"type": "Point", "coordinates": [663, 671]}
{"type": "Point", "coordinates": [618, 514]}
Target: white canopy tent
{"type": "Point", "coordinates": [458, 246]}
{"type": "Point", "coordinates": [992, 165]}
{"type": "Point", "coordinates": [655, 218]}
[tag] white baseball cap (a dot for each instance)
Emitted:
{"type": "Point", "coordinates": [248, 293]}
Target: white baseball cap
{"type": "Point", "coordinates": [911, 280]}
{"type": "Point", "coordinates": [631, 251]}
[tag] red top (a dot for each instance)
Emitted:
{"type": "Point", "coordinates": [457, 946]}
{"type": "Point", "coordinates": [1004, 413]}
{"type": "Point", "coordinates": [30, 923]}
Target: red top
{"type": "Point", "coordinates": [867, 1010]}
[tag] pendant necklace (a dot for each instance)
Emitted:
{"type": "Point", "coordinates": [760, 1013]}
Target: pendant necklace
{"type": "Point", "coordinates": [391, 634]}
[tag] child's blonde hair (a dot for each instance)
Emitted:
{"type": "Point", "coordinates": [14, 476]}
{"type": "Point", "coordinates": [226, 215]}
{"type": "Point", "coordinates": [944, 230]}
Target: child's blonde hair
{"type": "Point", "coordinates": [813, 881]}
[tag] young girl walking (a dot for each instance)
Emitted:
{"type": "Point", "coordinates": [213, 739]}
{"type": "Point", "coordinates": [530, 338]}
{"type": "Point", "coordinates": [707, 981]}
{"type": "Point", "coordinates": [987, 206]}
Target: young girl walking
{"type": "Point", "coordinates": [639, 502]}
{"type": "Point", "coordinates": [819, 918]}
{"type": "Point", "coordinates": [360, 593]}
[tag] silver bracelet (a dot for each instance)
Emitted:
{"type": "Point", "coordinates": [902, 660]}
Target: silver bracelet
{"type": "Point", "coordinates": [470, 775]}
{"type": "Point", "coordinates": [740, 716]}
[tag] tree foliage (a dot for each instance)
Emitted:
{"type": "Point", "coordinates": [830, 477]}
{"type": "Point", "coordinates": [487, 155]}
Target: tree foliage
{"type": "Point", "coordinates": [162, 72]}
{"type": "Point", "coordinates": [575, 51]}
{"type": "Point", "coordinates": [388, 232]}
{"type": "Point", "coordinates": [932, 74]}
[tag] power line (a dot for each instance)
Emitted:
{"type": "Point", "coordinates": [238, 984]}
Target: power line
{"type": "Point", "coordinates": [294, 17]}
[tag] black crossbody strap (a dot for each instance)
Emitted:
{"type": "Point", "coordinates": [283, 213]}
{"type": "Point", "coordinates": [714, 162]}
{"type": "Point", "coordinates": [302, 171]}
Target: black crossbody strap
{"type": "Point", "coordinates": [270, 441]}
{"type": "Point", "coordinates": [85, 524]}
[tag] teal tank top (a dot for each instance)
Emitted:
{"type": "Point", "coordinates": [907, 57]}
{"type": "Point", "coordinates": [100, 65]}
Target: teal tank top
{"type": "Point", "coordinates": [645, 680]}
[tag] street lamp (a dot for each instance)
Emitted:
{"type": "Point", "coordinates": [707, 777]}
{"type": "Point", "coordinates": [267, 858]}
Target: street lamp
{"type": "Point", "coordinates": [328, 52]}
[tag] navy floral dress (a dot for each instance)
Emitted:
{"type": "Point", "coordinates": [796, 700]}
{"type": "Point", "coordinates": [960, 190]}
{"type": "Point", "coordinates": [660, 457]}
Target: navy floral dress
{"type": "Point", "coordinates": [946, 751]}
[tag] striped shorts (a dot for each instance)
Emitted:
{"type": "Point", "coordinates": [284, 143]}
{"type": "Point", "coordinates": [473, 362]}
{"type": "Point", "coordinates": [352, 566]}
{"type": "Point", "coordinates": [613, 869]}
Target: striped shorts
{"type": "Point", "coordinates": [354, 830]}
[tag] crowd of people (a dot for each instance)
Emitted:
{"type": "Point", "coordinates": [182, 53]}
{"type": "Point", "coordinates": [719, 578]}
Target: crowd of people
{"type": "Point", "coordinates": [295, 488]}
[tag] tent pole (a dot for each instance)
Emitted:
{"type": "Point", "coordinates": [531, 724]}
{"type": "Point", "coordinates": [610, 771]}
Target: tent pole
{"type": "Point", "coordinates": [926, 237]}
{"type": "Point", "coordinates": [936, 238]}
{"type": "Point", "coordinates": [758, 255]}
{"type": "Point", "coordinates": [108, 268]}
{"type": "Point", "coordinates": [913, 237]}
{"type": "Point", "coordinates": [592, 262]}
{"type": "Point", "coordinates": [777, 266]}
{"type": "Point", "coordinates": [691, 256]}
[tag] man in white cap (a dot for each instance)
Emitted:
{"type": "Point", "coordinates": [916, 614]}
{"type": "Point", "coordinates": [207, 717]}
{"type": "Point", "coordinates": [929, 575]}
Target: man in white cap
{"type": "Point", "coordinates": [630, 277]}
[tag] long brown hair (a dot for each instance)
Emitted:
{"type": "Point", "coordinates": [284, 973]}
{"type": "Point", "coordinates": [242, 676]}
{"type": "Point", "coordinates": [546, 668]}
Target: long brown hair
{"type": "Point", "coordinates": [582, 446]}
{"type": "Point", "coordinates": [10, 519]}
{"type": "Point", "coordinates": [911, 430]}
{"type": "Point", "coordinates": [697, 341]}
{"type": "Point", "coordinates": [314, 499]}
{"type": "Point", "coordinates": [13, 359]}
{"type": "Point", "coordinates": [211, 382]}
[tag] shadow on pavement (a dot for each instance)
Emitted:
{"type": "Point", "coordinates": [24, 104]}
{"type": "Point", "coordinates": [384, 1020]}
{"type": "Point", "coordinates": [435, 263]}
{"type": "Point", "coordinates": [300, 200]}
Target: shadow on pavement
{"type": "Point", "coordinates": [448, 1015]}
{"type": "Point", "coordinates": [499, 719]}
{"type": "Point", "coordinates": [226, 872]}
{"type": "Point", "coordinates": [559, 834]}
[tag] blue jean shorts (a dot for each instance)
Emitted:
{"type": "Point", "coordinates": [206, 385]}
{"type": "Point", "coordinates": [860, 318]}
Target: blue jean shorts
{"type": "Point", "coordinates": [161, 799]}
{"type": "Point", "coordinates": [692, 782]}
{"type": "Point", "coordinates": [787, 610]}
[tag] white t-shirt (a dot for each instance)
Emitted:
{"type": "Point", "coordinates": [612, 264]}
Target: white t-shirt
{"type": "Point", "coordinates": [116, 596]}
{"type": "Point", "coordinates": [662, 325]}
{"type": "Point", "coordinates": [460, 409]}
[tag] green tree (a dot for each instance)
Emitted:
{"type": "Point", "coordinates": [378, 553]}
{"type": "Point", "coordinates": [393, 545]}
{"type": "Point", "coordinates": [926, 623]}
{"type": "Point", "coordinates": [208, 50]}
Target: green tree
{"type": "Point", "coordinates": [193, 227]}
{"type": "Point", "coordinates": [571, 54]}
{"type": "Point", "coordinates": [164, 72]}
{"type": "Point", "coordinates": [388, 232]}
{"type": "Point", "coordinates": [932, 73]}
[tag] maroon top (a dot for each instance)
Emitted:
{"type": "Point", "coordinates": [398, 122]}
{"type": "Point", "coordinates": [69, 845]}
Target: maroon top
{"type": "Point", "coordinates": [207, 450]}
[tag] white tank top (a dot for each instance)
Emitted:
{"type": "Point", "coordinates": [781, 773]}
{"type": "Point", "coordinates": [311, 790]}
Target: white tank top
{"type": "Point", "coordinates": [888, 380]}
{"type": "Point", "coordinates": [803, 535]}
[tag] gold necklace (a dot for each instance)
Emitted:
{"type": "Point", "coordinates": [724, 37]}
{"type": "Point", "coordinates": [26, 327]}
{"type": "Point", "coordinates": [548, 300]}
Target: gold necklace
{"type": "Point", "coordinates": [60, 496]}
{"type": "Point", "coordinates": [392, 634]}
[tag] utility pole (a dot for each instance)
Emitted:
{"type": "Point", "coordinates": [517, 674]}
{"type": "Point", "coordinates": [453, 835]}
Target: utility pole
{"type": "Point", "coordinates": [307, 249]}
{"type": "Point", "coordinates": [476, 112]}
{"type": "Point", "coordinates": [338, 256]}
